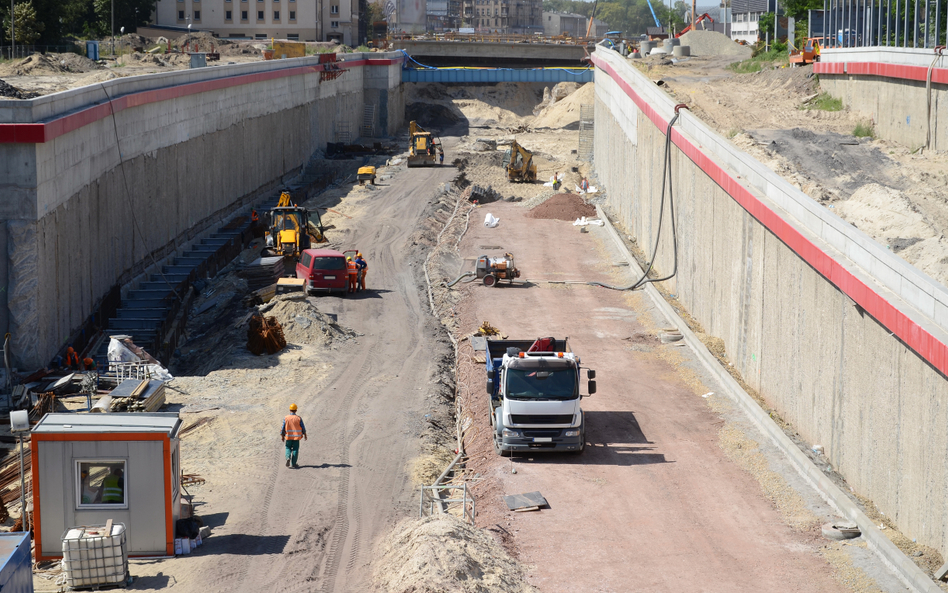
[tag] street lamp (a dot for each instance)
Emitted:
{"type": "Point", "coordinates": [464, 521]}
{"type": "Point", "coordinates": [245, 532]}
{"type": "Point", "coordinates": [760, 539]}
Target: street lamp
{"type": "Point", "coordinates": [187, 48]}
{"type": "Point", "coordinates": [112, 29]}
{"type": "Point", "coordinates": [12, 33]}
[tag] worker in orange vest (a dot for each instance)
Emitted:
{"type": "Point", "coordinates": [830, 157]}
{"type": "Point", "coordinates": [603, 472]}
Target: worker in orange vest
{"type": "Point", "coordinates": [353, 270]}
{"type": "Point", "coordinates": [293, 430]}
{"type": "Point", "coordinates": [72, 359]}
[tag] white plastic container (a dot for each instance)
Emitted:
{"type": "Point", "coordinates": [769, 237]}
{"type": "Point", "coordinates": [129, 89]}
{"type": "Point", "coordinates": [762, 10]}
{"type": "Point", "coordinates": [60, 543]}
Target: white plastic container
{"type": "Point", "coordinates": [92, 557]}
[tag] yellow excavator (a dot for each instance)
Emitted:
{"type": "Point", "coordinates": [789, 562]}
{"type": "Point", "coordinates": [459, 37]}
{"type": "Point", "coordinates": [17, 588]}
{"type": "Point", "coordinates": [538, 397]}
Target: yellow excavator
{"type": "Point", "coordinates": [423, 148]}
{"type": "Point", "coordinates": [519, 164]}
{"type": "Point", "coordinates": [291, 230]}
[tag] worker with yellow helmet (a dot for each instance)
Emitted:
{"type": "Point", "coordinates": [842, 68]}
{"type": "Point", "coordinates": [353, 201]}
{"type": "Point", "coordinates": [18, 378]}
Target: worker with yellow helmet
{"type": "Point", "coordinates": [293, 430]}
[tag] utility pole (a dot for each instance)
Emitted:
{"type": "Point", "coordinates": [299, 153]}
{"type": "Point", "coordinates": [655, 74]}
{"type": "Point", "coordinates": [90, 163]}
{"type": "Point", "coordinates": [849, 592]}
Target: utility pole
{"type": "Point", "coordinates": [692, 15]}
{"type": "Point", "coordinates": [112, 28]}
{"type": "Point", "coordinates": [12, 33]}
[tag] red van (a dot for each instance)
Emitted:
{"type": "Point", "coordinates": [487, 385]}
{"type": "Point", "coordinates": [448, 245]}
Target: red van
{"type": "Point", "coordinates": [323, 270]}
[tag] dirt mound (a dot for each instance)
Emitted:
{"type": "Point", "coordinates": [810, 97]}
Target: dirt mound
{"type": "Point", "coordinates": [130, 41]}
{"type": "Point", "coordinates": [75, 63]}
{"type": "Point", "coordinates": [303, 323]}
{"type": "Point", "coordinates": [202, 41]}
{"type": "Point", "coordinates": [9, 91]}
{"type": "Point", "coordinates": [563, 207]}
{"type": "Point", "coordinates": [712, 43]}
{"type": "Point", "coordinates": [445, 555]}
{"type": "Point", "coordinates": [504, 103]}
{"type": "Point", "coordinates": [432, 117]}
{"type": "Point", "coordinates": [137, 59]}
{"type": "Point", "coordinates": [95, 78]}
{"type": "Point", "coordinates": [565, 112]}
{"type": "Point", "coordinates": [36, 65]}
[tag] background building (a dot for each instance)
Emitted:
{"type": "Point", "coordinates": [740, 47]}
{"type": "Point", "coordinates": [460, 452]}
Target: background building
{"type": "Point", "coordinates": [564, 23]}
{"type": "Point", "coordinates": [302, 20]}
{"type": "Point", "coordinates": [503, 16]}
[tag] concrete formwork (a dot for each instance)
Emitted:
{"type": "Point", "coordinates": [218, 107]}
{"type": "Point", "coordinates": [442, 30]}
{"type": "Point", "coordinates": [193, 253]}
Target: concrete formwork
{"type": "Point", "coordinates": [842, 339]}
{"type": "Point", "coordinates": [192, 143]}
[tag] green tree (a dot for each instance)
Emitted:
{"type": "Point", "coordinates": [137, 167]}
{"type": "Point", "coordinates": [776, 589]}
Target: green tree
{"type": "Point", "coordinates": [130, 14]}
{"type": "Point", "coordinates": [28, 28]}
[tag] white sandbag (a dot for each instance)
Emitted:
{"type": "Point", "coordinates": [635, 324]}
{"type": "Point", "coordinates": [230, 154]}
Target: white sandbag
{"type": "Point", "coordinates": [490, 220]}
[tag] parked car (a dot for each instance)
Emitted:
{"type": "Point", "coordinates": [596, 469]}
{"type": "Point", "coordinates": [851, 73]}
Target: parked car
{"type": "Point", "coordinates": [324, 270]}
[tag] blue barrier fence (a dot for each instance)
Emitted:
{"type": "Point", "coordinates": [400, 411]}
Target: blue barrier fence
{"type": "Point", "coordinates": [485, 75]}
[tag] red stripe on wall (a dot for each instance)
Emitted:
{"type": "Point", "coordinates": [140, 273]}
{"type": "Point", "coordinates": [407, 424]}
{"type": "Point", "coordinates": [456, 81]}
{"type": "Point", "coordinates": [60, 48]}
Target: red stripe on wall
{"type": "Point", "coordinates": [38, 133]}
{"type": "Point", "coordinates": [907, 330]}
{"type": "Point", "coordinates": [899, 71]}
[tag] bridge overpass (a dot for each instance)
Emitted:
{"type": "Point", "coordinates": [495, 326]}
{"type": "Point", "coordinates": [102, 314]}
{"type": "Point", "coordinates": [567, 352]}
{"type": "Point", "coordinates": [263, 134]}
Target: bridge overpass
{"type": "Point", "coordinates": [493, 54]}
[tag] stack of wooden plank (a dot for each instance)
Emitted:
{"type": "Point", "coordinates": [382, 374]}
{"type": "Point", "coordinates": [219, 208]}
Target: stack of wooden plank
{"type": "Point", "coordinates": [262, 272]}
{"type": "Point", "coordinates": [134, 395]}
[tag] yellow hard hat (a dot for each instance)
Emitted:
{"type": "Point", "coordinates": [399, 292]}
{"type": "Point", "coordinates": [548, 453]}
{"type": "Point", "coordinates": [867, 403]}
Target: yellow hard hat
{"type": "Point", "coordinates": [359, 254]}
{"type": "Point", "coordinates": [348, 258]}
{"type": "Point", "coordinates": [292, 407]}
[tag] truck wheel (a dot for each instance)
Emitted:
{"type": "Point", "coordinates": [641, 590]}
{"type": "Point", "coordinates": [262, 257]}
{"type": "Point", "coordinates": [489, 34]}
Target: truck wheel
{"type": "Point", "coordinates": [582, 446]}
{"type": "Point", "coordinates": [500, 451]}
{"type": "Point", "coordinates": [490, 280]}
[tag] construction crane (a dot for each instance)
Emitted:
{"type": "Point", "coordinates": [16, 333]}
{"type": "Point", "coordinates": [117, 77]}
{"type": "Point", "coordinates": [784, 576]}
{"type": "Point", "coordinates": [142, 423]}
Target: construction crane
{"type": "Point", "coordinates": [654, 16]}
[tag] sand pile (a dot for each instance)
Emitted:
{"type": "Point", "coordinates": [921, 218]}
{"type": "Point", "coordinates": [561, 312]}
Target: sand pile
{"type": "Point", "coordinates": [35, 65]}
{"type": "Point", "coordinates": [203, 40]}
{"type": "Point", "coordinates": [442, 554]}
{"type": "Point", "coordinates": [565, 112]}
{"type": "Point", "coordinates": [136, 59]}
{"type": "Point", "coordinates": [303, 323]}
{"type": "Point", "coordinates": [95, 78]}
{"type": "Point", "coordinates": [563, 207]}
{"type": "Point", "coordinates": [712, 43]}
{"type": "Point", "coordinates": [75, 63]}
{"type": "Point", "coordinates": [505, 104]}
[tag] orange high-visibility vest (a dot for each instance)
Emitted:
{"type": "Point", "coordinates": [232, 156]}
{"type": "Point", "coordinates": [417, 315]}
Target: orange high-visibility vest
{"type": "Point", "coordinates": [293, 427]}
{"type": "Point", "coordinates": [352, 268]}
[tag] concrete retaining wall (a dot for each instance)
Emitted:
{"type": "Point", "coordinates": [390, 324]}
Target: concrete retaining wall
{"type": "Point", "coordinates": [192, 142]}
{"type": "Point", "coordinates": [889, 86]}
{"type": "Point", "coordinates": [844, 340]}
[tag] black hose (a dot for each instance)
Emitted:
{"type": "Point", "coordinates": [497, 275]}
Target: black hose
{"type": "Point", "coordinates": [666, 175]}
{"type": "Point", "coordinates": [458, 279]}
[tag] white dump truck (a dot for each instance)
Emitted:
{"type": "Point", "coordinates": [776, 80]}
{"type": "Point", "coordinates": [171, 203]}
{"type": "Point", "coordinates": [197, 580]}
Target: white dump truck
{"type": "Point", "coordinates": [534, 389]}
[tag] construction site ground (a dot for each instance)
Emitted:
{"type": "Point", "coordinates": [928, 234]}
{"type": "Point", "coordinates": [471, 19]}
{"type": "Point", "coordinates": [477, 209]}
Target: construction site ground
{"type": "Point", "coordinates": [675, 491]}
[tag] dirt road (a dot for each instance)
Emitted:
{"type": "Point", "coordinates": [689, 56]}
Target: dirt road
{"type": "Point", "coordinates": [656, 502]}
{"type": "Point", "coordinates": [363, 401]}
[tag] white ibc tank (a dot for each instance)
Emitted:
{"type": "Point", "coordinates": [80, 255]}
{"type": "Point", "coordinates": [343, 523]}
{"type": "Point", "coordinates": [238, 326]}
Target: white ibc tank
{"type": "Point", "coordinates": [92, 557]}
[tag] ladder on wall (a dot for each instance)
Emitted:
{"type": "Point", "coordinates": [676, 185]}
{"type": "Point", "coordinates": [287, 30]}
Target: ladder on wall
{"type": "Point", "coordinates": [341, 132]}
{"type": "Point", "coordinates": [586, 127]}
{"type": "Point", "coordinates": [368, 122]}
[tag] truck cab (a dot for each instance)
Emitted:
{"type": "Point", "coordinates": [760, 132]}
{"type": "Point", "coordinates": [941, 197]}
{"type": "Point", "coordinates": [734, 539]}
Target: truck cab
{"type": "Point", "coordinates": [534, 389]}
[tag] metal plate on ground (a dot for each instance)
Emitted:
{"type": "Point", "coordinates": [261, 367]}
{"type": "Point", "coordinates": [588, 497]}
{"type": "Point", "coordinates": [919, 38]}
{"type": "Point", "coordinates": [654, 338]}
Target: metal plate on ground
{"type": "Point", "coordinates": [523, 501]}
{"type": "Point", "coordinates": [479, 343]}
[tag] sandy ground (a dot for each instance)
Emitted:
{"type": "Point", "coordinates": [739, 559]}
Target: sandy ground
{"type": "Point", "coordinates": [893, 193]}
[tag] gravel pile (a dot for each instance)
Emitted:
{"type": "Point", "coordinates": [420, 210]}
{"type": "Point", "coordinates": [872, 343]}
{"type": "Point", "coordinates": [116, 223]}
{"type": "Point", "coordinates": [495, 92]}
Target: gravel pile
{"type": "Point", "coordinates": [11, 92]}
{"type": "Point", "coordinates": [563, 207]}
{"type": "Point", "coordinates": [712, 43]}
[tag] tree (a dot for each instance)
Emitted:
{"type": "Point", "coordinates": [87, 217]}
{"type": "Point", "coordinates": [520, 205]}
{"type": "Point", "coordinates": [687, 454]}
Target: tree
{"type": "Point", "coordinates": [28, 28]}
{"type": "Point", "coordinates": [130, 14]}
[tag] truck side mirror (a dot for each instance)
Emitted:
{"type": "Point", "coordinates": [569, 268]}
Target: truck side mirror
{"type": "Point", "coordinates": [590, 374]}
{"type": "Point", "coordinates": [490, 387]}
{"type": "Point", "coordinates": [592, 387]}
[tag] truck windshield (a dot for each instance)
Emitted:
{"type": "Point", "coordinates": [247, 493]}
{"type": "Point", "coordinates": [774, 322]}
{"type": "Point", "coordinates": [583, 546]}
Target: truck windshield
{"type": "Point", "coordinates": [541, 383]}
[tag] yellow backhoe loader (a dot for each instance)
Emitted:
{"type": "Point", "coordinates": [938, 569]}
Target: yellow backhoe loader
{"type": "Point", "coordinates": [519, 164]}
{"type": "Point", "coordinates": [291, 230]}
{"type": "Point", "coordinates": [423, 148]}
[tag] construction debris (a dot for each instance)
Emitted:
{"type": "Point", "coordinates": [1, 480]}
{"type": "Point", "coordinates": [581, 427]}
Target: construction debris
{"type": "Point", "coordinates": [486, 329]}
{"type": "Point", "coordinates": [265, 334]}
{"type": "Point", "coordinates": [263, 272]}
{"type": "Point", "coordinates": [133, 395]}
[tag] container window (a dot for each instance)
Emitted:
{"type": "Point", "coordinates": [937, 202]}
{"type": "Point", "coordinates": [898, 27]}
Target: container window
{"type": "Point", "coordinates": [101, 484]}
{"type": "Point", "coordinates": [305, 259]}
{"type": "Point", "coordinates": [329, 263]}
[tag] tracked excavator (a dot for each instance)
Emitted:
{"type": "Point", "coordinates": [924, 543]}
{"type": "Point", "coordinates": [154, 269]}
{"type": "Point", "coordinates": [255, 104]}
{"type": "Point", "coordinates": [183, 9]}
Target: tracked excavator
{"type": "Point", "coordinates": [291, 230]}
{"type": "Point", "coordinates": [518, 161]}
{"type": "Point", "coordinates": [423, 148]}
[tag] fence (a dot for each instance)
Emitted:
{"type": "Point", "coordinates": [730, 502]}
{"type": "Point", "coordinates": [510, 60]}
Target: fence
{"type": "Point", "coordinates": [23, 51]}
{"type": "Point", "coordinates": [881, 23]}
{"type": "Point", "coordinates": [432, 502]}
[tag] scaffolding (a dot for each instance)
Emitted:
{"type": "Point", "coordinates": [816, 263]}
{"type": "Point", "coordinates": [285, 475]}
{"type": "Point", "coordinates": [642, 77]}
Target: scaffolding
{"type": "Point", "coordinates": [368, 122]}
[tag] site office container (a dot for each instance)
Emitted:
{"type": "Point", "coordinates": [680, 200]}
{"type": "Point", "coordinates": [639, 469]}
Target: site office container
{"type": "Point", "coordinates": [71, 456]}
{"type": "Point", "coordinates": [323, 270]}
